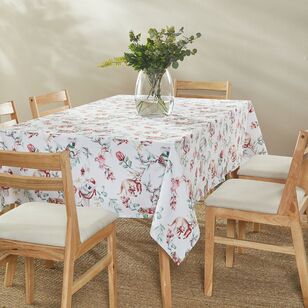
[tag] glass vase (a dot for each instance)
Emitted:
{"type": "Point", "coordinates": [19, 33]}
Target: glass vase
{"type": "Point", "coordinates": [154, 94]}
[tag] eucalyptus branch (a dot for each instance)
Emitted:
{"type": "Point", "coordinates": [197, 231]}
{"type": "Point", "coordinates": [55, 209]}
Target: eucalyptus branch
{"type": "Point", "coordinates": [117, 61]}
{"type": "Point", "coordinates": [162, 49]}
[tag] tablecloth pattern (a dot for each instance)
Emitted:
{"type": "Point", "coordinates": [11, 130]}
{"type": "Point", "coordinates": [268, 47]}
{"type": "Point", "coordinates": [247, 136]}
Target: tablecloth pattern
{"type": "Point", "coordinates": [142, 167]}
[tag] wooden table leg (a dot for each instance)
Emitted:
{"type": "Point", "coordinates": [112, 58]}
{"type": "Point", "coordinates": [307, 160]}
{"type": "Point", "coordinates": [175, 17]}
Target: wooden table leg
{"type": "Point", "coordinates": [165, 281]}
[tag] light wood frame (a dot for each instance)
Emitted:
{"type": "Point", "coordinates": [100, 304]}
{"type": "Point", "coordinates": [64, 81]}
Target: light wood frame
{"type": "Point", "coordinates": [287, 215]}
{"type": "Point", "coordinates": [221, 89]}
{"type": "Point", "coordinates": [9, 108]}
{"type": "Point", "coordinates": [73, 247]}
{"type": "Point", "coordinates": [303, 180]}
{"type": "Point", "coordinates": [37, 101]}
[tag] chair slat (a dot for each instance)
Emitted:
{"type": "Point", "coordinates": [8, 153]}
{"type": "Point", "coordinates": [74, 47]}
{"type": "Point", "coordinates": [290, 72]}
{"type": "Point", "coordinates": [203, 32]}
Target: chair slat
{"type": "Point", "coordinates": [55, 97]}
{"type": "Point", "coordinates": [51, 97]}
{"type": "Point", "coordinates": [8, 108]}
{"type": "Point", "coordinates": [254, 245]}
{"type": "Point", "coordinates": [221, 87]}
{"type": "Point", "coordinates": [43, 113]}
{"type": "Point", "coordinates": [201, 96]}
{"type": "Point", "coordinates": [49, 161]}
{"type": "Point", "coordinates": [202, 85]}
{"type": "Point", "coordinates": [31, 182]}
{"type": "Point", "coordinates": [91, 273]}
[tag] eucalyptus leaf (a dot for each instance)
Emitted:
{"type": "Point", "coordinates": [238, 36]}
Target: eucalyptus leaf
{"type": "Point", "coordinates": [175, 65]}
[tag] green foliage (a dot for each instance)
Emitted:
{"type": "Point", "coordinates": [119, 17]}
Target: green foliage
{"type": "Point", "coordinates": [117, 61]}
{"type": "Point", "coordinates": [162, 49]}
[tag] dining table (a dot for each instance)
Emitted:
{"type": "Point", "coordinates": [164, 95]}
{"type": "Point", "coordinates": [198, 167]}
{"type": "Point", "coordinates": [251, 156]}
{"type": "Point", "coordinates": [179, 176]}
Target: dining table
{"type": "Point", "coordinates": [142, 167]}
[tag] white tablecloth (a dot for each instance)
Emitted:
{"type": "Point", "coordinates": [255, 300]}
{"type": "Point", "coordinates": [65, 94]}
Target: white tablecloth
{"type": "Point", "coordinates": [142, 167]}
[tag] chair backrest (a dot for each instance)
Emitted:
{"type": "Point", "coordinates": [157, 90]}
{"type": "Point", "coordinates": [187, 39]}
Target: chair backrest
{"type": "Point", "coordinates": [43, 100]}
{"type": "Point", "coordinates": [296, 177]}
{"type": "Point", "coordinates": [44, 161]}
{"type": "Point", "coordinates": [202, 89]}
{"type": "Point", "coordinates": [9, 109]}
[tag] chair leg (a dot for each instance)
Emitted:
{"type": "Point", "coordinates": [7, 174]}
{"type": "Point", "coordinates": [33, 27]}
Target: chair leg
{"type": "Point", "coordinates": [209, 250]}
{"type": "Point", "coordinates": [68, 278]}
{"type": "Point", "coordinates": [241, 234]}
{"type": "Point", "coordinates": [230, 249]}
{"type": "Point", "coordinates": [301, 259]}
{"type": "Point", "coordinates": [29, 275]}
{"type": "Point", "coordinates": [10, 271]}
{"type": "Point", "coordinates": [112, 270]}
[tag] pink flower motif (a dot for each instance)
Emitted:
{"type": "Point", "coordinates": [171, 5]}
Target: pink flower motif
{"type": "Point", "coordinates": [175, 258]}
{"type": "Point", "coordinates": [101, 161]}
{"type": "Point", "coordinates": [120, 156]}
{"type": "Point", "coordinates": [250, 108]}
{"type": "Point", "coordinates": [191, 164]}
{"type": "Point", "coordinates": [125, 200]}
{"type": "Point", "coordinates": [110, 176]}
{"type": "Point", "coordinates": [161, 160]}
{"type": "Point", "coordinates": [169, 236]}
{"type": "Point", "coordinates": [31, 147]}
{"type": "Point", "coordinates": [213, 169]}
{"type": "Point", "coordinates": [149, 211]}
{"type": "Point", "coordinates": [254, 124]}
{"type": "Point", "coordinates": [232, 152]}
{"type": "Point", "coordinates": [173, 202]}
{"type": "Point", "coordinates": [247, 142]}
{"type": "Point", "coordinates": [175, 184]}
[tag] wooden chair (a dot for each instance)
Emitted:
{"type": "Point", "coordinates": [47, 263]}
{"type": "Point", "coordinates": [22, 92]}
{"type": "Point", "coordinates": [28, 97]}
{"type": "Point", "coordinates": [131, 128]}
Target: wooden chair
{"type": "Point", "coordinates": [261, 202]}
{"type": "Point", "coordinates": [202, 89]}
{"type": "Point", "coordinates": [9, 109]}
{"type": "Point", "coordinates": [268, 168]}
{"type": "Point", "coordinates": [41, 230]}
{"type": "Point", "coordinates": [47, 99]}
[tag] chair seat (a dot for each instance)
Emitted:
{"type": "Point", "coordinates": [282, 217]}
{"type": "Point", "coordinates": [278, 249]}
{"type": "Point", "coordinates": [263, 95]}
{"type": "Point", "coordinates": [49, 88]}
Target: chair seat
{"type": "Point", "coordinates": [266, 166]}
{"type": "Point", "coordinates": [45, 223]}
{"type": "Point", "coordinates": [249, 195]}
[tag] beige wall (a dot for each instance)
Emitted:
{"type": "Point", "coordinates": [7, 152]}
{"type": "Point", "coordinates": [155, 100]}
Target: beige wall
{"type": "Point", "coordinates": [260, 45]}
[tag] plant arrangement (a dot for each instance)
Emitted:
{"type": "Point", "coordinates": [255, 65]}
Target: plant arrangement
{"type": "Point", "coordinates": [161, 50]}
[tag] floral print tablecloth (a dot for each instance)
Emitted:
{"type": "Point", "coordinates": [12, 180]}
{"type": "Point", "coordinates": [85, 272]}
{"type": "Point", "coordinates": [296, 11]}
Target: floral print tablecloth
{"type": "Point", "coordinates": [142, 167]}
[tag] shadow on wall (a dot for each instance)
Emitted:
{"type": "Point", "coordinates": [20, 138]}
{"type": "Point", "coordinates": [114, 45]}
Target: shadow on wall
{"type": "Point", "coordinates": [44, 49]}
{"type": "Point", "coordinates": [260, 47]}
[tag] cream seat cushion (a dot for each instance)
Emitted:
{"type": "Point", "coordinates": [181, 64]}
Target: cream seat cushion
{"type": "Point", "coordinates": [249, 195]}
{"type": "Point", "coordinates": [267, 166]}
{"type": "Point", "coordinates": [45, 223]}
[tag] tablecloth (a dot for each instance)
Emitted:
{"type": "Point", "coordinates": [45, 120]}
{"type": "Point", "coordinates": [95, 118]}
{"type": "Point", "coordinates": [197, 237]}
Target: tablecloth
{"type": "Point", "coordinates": [142, 167]}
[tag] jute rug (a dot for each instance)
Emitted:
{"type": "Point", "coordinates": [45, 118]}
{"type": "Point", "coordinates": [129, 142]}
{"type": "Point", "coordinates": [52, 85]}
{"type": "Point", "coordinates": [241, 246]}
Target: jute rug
{"type": "Point", "coordinates": [258, 279]}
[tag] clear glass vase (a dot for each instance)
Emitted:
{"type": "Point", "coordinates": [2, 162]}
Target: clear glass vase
{"type": "Point", "coordinates": [154, 93]}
